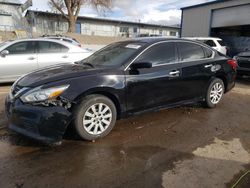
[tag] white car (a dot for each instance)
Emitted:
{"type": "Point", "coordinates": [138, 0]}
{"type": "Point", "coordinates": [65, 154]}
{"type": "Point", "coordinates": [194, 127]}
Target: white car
{"type": "Point", "coordinates": [215, 43]}
{"type": "Point", "coordinates": [20, 57]}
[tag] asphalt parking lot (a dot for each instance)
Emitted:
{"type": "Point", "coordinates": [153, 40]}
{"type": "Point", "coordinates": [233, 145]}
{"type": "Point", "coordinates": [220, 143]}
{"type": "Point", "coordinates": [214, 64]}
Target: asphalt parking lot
{"type": "Point", "coordinates": [189, 147]}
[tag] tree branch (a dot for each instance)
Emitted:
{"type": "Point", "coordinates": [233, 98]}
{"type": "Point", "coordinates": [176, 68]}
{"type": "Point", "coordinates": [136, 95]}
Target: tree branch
{"type": "Point", "coordinates": [59, 9]}
{"type": "Point", "coordinates": [79, 4]}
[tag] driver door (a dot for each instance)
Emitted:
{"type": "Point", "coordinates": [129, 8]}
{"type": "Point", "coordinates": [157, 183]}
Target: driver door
{"type": "Point", "coordinates": [157, 86]}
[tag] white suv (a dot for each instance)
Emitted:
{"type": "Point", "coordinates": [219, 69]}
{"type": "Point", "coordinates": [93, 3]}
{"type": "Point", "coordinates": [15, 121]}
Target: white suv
{"type": "Point", "coordinates": [215, 43]}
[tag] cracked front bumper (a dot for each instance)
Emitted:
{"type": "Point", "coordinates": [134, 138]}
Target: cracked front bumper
{"type": "Point", "coordinates": [47, 124]}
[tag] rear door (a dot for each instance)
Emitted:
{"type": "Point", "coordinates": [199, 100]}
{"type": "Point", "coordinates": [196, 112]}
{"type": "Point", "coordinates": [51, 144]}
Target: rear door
{"type": "Point", "coordinates": [22, 58]}
{"type": "Point", "coordinates": [197, 65]}
{"type": "Point", "coordinates": [157, 86]}
{"type": "Point", "coordinates": [52, 53]}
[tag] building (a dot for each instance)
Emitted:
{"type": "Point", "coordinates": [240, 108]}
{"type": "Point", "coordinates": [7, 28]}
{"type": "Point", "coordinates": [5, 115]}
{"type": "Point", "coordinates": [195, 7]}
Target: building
{"type": "Point", "coordinates": [51, 23]}
{"type": "Point", "coordinates": [227, 19]}
{"type": "Point", "coordinates": [10, 15]}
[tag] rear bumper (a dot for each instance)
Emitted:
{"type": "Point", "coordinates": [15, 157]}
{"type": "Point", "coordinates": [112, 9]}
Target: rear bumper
{"type": "Point", "coordinates": [230, 81]}
{"type": "Point", "coordinates": [46, 124]}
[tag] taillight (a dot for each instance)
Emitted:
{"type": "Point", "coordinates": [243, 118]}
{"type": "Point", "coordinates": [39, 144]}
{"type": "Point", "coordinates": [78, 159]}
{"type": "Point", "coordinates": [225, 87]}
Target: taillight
{"type": "Point", "coordinates": [233, 63]}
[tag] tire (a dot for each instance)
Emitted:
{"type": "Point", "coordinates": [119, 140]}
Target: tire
{"type": "Point", "coordinates": [214, 93]}
{"type": "Point", "coordinates": [95, 117]}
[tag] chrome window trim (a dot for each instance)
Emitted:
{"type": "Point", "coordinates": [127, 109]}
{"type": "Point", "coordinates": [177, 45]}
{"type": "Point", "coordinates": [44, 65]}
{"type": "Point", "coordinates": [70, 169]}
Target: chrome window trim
{"type": "Point", "coordinates": [164, 64]}
{"type": "Point", "coordinates": [127, 67]}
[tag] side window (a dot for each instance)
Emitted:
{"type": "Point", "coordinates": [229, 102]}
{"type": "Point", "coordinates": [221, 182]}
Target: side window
{"type": "Point", "coordinates": [210, 43]}
{"type": "Point", "coordinates": [51, 47]}
{"type": "Point", "coordinates": [190, 51]}
{"type": "Point", "coordinates": [163, 53]}
{"type": "Point", "coordinates": [22, 48]}
{"type": "Point", "coordinates": [208, 52]}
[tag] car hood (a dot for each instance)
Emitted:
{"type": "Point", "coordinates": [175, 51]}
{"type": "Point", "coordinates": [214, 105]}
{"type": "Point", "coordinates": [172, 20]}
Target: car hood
{"type": "Point", "coordinates": [56, 73]}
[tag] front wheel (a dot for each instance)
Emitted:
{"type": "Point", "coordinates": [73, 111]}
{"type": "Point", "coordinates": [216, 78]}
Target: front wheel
{"type": "Point", "coordinates": [215, 93]}
{"type": "Point", "coordinates": [95, 117]}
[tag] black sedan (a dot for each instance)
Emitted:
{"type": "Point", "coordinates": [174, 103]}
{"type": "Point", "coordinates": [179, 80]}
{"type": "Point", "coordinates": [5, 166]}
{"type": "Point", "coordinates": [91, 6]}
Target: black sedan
{"type": "Point", "coordinates": [243, 60]}
{"type": "Point", "coordinates": [120, 80]}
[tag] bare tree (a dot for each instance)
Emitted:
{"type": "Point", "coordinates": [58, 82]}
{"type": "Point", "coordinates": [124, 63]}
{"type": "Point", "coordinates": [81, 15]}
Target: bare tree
{"type": "Point", "coordinates": [70, 8]}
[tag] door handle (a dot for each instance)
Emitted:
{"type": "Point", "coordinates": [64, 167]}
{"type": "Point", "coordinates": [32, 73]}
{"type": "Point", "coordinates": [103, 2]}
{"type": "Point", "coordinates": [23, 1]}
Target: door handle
{"type": "Point", "coordinates": [65, 56]}
{"type": "Point", "coordinates": [174, 73]}
{"type": "Point", "coordinates": [31, 58]}
{"type": "Point", "coordinates": [208, 66]}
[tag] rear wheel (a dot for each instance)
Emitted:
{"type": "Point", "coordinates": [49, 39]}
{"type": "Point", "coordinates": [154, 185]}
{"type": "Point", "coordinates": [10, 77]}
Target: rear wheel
{"type": "Point", "coordinates": [215, 93]}
{"type": "Point", "coordinates": [95, 117]}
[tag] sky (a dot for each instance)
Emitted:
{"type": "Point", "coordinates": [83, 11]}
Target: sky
{"type": "Point", "coordinates": [165, 12]}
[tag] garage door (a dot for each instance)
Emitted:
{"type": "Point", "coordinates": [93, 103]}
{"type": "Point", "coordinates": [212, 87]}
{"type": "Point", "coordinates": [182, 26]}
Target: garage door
{"type": "Point", "coordinates": [232, 16]}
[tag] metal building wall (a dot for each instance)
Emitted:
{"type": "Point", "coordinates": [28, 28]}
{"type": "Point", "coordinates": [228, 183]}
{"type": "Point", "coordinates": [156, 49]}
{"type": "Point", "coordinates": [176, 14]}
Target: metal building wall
{"type": "Point", "coordinates": [13, 21]}
{"type": "Point", "coordinates": [196, 21]}
{"type": "Point", "coordinates": [46, 24]}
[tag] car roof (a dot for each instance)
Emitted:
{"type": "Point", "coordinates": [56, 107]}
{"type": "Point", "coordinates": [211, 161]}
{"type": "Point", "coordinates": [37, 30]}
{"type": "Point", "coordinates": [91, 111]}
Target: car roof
{"type": "Point", "coordinates": [152, 40]}
{"type": "Point", "coordinates": [43, 39]}
{"type": "Point", "coordinates": [203, 38]}
{"type": "Point", "coordinates": [51, 37]}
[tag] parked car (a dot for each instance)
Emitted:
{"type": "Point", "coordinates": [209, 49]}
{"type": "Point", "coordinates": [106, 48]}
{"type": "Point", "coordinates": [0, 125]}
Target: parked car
{"type": "Point", "coordinates": [120, 80]}
{"type": "Point", "coordinates": [63, 38]}
{"type": "Point", "coordinates": [243, 60]}
{"type": "Point", "coordinates": [22, 56]}
{"type": "Point", "coordinates": [215, 43]}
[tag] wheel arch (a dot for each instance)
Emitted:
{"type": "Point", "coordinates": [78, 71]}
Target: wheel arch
{"type": "Point", "coordinates": [107, 92]}
{"type": "Point", "coordinates": [224, 79]}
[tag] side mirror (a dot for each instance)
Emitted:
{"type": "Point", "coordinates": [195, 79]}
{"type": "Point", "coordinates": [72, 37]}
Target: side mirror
{"type": "Point", "coordinates": [4, 53]}
{"type": "Point", "coordinates": [141, 65]}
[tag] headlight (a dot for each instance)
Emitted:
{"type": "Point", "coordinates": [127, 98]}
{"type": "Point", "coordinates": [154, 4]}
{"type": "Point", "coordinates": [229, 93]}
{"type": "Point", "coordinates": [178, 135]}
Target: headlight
{"type": "Point", "coordinates": [38, 94]}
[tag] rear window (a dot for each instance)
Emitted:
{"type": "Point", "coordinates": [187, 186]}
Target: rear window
{"type": "Point", "coordinates": [221, 43]}
{"type": "Point", "coordinates": [190, 51]}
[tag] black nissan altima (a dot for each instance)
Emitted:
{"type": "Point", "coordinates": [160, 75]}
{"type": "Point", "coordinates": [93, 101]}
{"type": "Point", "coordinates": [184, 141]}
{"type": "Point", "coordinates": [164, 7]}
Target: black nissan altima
{"type": "Point", "coordinates": [122, 79]}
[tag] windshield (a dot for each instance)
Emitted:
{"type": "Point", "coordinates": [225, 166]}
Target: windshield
{"type": "Point", "coordinates": [114, 55]}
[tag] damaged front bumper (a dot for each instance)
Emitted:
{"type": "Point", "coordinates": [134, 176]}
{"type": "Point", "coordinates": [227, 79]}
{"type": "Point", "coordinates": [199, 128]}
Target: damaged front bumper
{"type": "Point", "coordinates": [44, 123]}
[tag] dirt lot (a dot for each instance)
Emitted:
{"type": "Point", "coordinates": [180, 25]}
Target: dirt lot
{"type": "Point", "coordinates": [189, 147]}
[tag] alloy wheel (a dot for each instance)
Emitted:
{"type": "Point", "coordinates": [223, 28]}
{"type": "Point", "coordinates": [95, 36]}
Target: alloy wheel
{"type": "Point", "coordinates": [216, 93]}
{"type": "Point", "coordinates": [97, 118]}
